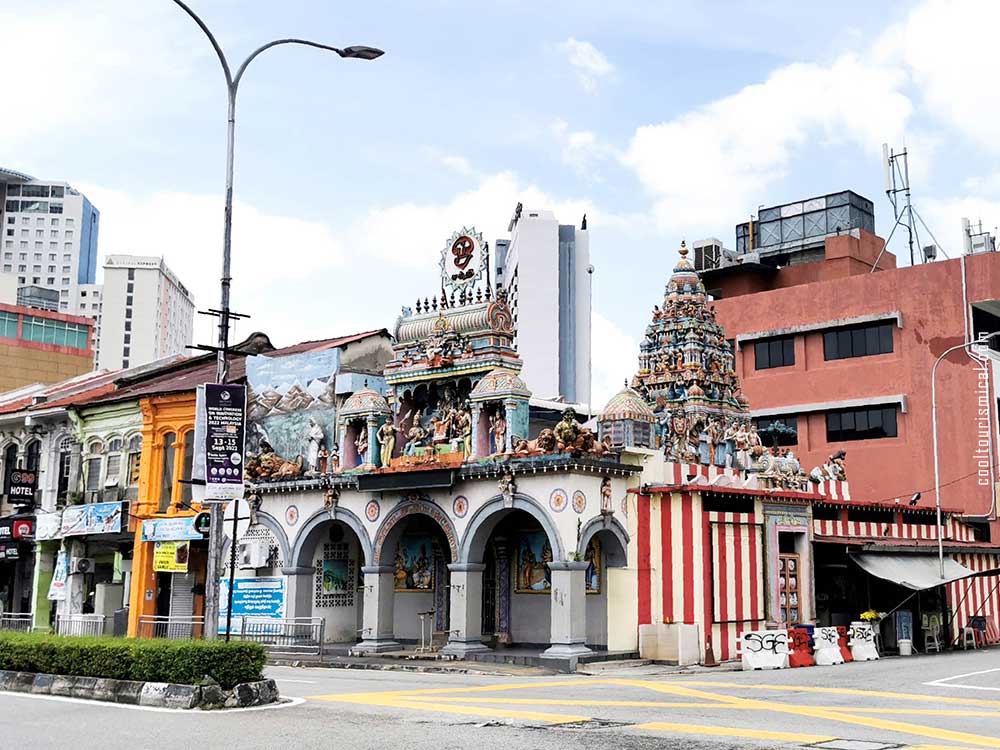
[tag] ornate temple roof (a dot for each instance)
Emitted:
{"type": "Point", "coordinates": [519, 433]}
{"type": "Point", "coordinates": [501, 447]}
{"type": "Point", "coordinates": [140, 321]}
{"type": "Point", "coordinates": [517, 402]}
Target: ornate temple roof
{"type": "Point", "coordinates": [363, 403]}
{"type": "Point", "coordinates": [627, 404]}
{"type": "Point", "coordinates": [499, 383]}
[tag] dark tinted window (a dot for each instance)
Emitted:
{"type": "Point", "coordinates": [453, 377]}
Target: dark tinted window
{"type": "Point", "coordinates": [861, 424]}
{"type": "Point", "coordinates": [776, 431]}
{"type": "Point", "coordinates": [778, 352]}
{"type": "Point", "coordinates": [858, 341]}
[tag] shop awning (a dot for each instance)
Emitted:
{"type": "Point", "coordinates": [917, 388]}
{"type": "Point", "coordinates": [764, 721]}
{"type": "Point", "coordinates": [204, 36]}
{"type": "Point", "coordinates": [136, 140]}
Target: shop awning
{"type": "Point", "coordinates": [916, 572]}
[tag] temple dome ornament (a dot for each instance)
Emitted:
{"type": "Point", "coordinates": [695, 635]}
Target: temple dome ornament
{"type": "Point", "coordinates": [627, 404]}
{"type": "Point", "coordinates": [363, 403]}
{"type": "Point", "coordinates": [499, 383]}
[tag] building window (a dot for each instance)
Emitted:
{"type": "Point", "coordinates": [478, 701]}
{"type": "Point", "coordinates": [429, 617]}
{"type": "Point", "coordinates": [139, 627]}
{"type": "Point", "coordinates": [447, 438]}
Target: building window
{"type": "Point", "coordinates": [134, 458]}
{"type": "Point", "coordinates": [858, 341]}
{"type": "Point", "coordinates": [9, 463]}
{"type": "Point", "coordinates": [8, 325]}
{"type": "Point", "coordinates": [778, 431]}
{"type": "Point", "coordinates": [57, 192]}
{"type": "Point", "coordinates": [65, 456]}
{"type": "Point", "coordinates": [47, 331]}
{"type": "Point", "coordinates": [779, 352]}
{"type": "Point", "coordinates": [131, 274]}
{"type": "Point", "coordinates": [93, 474]}
{"type": "Point", "coordinates": [13, 190]}
{"type": "Point", "coordinates": [167, 473]}
{"type": "Point", "coordinates": [188, 464]}
{"type": "Point", "coordinates": [70, 222]}
{"type": "Point", "coordinates": [861, 424]}
{"type": "Point", "coordinates": [54, 221]}
{"type": "Point", "coordinates": [55, 208]}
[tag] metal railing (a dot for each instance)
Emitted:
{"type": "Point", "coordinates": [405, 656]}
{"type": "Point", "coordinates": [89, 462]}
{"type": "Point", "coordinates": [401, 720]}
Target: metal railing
{"type": "Point", "coordinates": [297, 632]}
{"type": "Point", "coordinates": [20, 622]}
{"type": "Point", "coordinates": [80, 624]}
{"type": "Point", "coordinates": [178, 628]}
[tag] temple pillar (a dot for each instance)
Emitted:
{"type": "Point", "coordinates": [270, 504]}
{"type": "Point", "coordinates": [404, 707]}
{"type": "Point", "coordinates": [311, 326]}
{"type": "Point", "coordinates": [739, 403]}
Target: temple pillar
{"type": "Point", "coordinates": [376, 623]}
{"type": "Point", "coordinates": [300, 588]}
{"type": "Point", "coordinates": [371, 422]}
{"type": "Point", "coordinates": [510, 409]}
{"type": "Point", "coordinates": [465, 636]}
{"type": "Point", "coordinates": [477, 411]}
{"type": "Point", "coordinates": [441, 590]}
{"type": "Point", "coordinates": [503, 591]}
{"type": "Point", "coordinates": [569, 610]}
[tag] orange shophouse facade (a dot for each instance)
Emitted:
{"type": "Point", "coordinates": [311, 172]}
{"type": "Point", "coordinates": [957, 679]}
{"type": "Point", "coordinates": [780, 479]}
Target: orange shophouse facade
{"type": "Point", "coordinates": [164, 602]}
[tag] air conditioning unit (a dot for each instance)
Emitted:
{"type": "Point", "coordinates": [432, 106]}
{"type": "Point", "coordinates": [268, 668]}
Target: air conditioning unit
{"type": "Point", "coordinates": [82, 565]}
{"type": "Point", "coordinates": [252, 554]}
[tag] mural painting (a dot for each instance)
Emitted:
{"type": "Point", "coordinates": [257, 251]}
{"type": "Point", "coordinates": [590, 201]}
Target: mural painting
{"type": "Point", "coordinates": [336, 576]}
{"type": "Point", "coordinates": [534, 553]}
{"type": "Point", "coordinates": [415, 563]}
{"type": "Point", "coordinates": [290, 407]}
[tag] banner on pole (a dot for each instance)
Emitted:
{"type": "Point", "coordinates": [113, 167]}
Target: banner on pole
{"type": "Point", "coordinates": [225, 433]}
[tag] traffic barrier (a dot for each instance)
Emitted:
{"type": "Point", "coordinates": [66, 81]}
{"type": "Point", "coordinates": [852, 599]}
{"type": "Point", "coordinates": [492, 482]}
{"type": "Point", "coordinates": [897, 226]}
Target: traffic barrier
{"type": "Point", "coordinates": [800, 654]}
{"type": "Point", "coordinates": [827, 647]}
{"type": "Point", "coordinates": [862, 642]}
{"type": "Point", "coordinates": [764, 649]}
{"type": "Point", "coordinates": [845, 650]}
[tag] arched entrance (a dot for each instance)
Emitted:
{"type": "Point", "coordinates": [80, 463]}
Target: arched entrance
{"type": "Point", "coordinates": [325, 578]}
{"type": "Point", "coordinates": [602, 546]}
{"type": "Point", "coordinates": [407, 586]}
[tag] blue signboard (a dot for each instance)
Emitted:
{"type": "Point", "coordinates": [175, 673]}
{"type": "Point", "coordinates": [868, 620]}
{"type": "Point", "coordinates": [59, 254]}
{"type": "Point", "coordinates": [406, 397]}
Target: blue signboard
{"type": "Point", "coordinates": [253, 598]}
{"type": "Point", "coordinates": [170, 529]}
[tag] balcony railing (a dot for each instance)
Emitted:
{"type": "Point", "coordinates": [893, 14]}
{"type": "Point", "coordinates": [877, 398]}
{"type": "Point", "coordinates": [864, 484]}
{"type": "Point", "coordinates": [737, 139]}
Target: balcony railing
{"type": "Point", "coordinates": [21, 622]}
{"type": "Point", "coordinates": [80, 624]}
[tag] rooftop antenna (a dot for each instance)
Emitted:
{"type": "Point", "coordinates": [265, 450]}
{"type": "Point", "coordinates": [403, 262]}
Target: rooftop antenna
{"type": "Point", "coordinates": [896, 171]}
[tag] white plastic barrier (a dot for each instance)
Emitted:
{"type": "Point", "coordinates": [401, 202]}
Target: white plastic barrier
{"type": "Point", "coordinates": [862, 642]}
{"type": "Point", "coordinates": [826, 648]}
{"type": "Point", "coordinates": [764, 649]}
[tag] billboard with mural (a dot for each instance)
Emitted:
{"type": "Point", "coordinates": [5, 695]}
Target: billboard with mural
{"type": "Point", "coordinates": [291, 404]}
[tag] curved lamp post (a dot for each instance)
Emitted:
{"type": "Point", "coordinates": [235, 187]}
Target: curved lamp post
{"type": "Point", "coordinates": [232, 86]}
{"type": "Point", "coordinates": [934, 430]}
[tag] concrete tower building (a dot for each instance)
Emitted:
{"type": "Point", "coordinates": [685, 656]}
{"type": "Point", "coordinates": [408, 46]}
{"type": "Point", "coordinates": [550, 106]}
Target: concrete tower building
{"type": "Point", "coordinates": [49, 239]}
{"type": "Point", "coordinates": [545, 269]}
{"type": "Point", "coordinates": [146, 312]}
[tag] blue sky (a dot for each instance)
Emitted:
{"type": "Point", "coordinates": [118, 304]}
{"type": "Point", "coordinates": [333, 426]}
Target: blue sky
{"type": "Point", "coordinates": [660, 120]}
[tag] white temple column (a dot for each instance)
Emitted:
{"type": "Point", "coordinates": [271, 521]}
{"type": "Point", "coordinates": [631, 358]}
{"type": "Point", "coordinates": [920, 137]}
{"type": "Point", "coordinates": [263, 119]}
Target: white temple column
{"type": "Point", "coordinates": [300, 584]}
{"type": "Point", "coordinates": [466, 610]}
{"type": "Point", "coordinates": [509, 408]}
{"type": "Point", "coordinates": [376, 624]}
{"type": "Point", "coordinates": [477, 411]}
{"type": "Point", "coordinates": [569, 610]}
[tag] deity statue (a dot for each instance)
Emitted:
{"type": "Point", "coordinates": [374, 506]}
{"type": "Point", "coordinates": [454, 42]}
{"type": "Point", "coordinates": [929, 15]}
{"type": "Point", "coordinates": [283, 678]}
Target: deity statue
{"type": "Point", "coordinates": [606, 505]}
{"type": "Point", "coordinates": [508, 486]}
{"type": "Point", "coordinates": [715, 432]}
{"type": "Point", "coordinates": [463, 429]}
{"type": "Point", "coordinates": [314, 439]}
{"type": "Point", "coordinates": [386, 436]}
{"type": "Point", "coordinates": [361, 443]}
{"type": "Point", "coordinates": [416, 437]}
{"type": "Point", "coordinates": [498, 430]}
{"type": "Point", "coordinates": [567, 430]}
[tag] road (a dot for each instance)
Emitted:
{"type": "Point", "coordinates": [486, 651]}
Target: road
{"type": "Point", "coordinates": [927, 702]}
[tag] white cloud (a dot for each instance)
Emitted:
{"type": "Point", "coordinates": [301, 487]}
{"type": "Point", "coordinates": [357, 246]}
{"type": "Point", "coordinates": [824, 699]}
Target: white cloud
{"type": "Point", "coordinates": [615, 358]}
{"type": "Point", "coordinates": [947, 48]}
{"type": "Point", "coordinates": [581, 149]}
{"type": "Point", "coordinates": [589, 62]}
{"type": "Point", "coordinates": [458, 164]}
{"type": "Point", "coordinates": [711, 164]}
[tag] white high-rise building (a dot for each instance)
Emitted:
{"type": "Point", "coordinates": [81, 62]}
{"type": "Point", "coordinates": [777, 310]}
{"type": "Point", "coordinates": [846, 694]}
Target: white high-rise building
{"type": "Point", "coordinates": [146, 313]}
{"type": "Point", "coordinates": [545, 269]}
{"type": "Point", "coordinates": [49, 238]}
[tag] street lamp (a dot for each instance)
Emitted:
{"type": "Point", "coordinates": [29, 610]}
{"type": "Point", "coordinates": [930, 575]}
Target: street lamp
{"type": "Point", "coordinates": [937, 474]}
{"type": "Point", "coordinates": [232, 85]}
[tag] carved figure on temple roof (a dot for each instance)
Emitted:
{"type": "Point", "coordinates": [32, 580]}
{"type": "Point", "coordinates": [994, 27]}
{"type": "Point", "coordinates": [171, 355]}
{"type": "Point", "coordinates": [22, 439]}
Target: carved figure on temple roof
{"type": "Point", "coordinates": [567, 430]}
{"type": "Point", "coordinates": [416, 437]}
{"type": "Point", "coordinates": [606, 491]}
{"type": "Point", "coordinates": [386, 437]}
{"type": "Point", "coordinates": [314, 438]}
{"type": "Point", "coordinates": [834, 469]}
{"type": "Point", "coordinates": [361, 443]}
{"type": "Point", "coordinates": [498, 431]}
{"type": "Point", "coordinates": [462, 426]}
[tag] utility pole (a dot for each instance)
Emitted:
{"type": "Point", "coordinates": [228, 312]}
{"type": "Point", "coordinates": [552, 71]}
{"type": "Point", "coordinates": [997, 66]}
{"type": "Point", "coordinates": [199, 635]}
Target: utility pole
{"type": "Point", "coordinates": [224, 314]}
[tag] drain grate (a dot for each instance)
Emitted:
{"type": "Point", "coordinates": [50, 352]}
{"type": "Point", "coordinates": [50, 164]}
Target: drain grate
{"type": "Point", "coordinates": [854, 745]}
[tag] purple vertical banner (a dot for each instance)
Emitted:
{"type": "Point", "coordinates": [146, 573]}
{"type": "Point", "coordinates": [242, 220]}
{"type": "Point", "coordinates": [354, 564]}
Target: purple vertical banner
{"type": "Point", "coordinates": [225, 433]}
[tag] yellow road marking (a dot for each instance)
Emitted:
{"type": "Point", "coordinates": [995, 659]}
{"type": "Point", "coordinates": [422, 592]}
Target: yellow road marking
{"type": "Point", "coordinates": [845, 691]}
{"type": "Point", "coordinates": [563, 702]}
{"type": "Point", "coordinates": [392, 702]}
{"type": "Point", "coordinates": [817, 712]}
{"type": "Point", "coordinates": [759, 734]}
{"type": "Point", "coordinates": [916, 711]}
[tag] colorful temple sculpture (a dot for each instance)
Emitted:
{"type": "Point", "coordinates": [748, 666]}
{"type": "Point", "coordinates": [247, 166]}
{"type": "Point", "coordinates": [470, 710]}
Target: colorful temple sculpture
{"type": "Point", "coordinates": [424, 512]}
{"type": "Point", "coordinates": [728, 535]}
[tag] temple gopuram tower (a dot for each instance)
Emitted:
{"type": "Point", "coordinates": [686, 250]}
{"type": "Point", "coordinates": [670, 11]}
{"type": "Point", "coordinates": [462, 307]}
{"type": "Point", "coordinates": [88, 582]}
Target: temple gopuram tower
{"type": "Point", "coordinates": [687, 375]}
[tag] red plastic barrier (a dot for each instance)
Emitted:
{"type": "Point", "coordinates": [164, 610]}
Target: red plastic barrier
{"type": "Point", "coordinates": [800, 653]}
{"type": "Point", "coordinates": [845, 650]}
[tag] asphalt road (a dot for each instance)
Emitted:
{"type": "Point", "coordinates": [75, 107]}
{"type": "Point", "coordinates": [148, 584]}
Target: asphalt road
{"type": "Point", "coordinates": [927, 702]}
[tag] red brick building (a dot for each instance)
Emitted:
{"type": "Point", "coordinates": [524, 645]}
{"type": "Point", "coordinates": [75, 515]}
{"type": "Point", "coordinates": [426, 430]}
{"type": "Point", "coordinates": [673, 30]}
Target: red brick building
{"type": "Point", "coordinates": [843, 357]}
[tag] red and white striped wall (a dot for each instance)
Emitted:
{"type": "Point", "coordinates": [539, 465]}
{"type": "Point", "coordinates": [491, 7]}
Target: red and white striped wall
{"type": "Point", "coordinates": [698, 568]}
{"type": "Point", "coordinates": [975, 596]}
{"type": "Point", "coordinates": [678, 473]}
{"type": "Point", "coordinates": [834, 489]}
{"type": "Point", "coordinates": [953, 529]}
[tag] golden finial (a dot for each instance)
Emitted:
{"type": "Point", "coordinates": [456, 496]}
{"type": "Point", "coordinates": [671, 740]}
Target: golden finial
{"type": "Point", "coordinates": [683, 250]}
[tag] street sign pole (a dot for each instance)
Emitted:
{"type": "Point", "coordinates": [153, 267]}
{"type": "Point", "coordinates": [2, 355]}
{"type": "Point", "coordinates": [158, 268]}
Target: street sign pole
{"type": "Point", "coordinates": [232, 567]}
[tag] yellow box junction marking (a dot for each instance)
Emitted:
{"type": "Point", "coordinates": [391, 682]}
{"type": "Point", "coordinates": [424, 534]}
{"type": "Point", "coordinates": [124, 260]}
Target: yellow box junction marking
{"type": "Point", "coordinates": [472, 701]}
